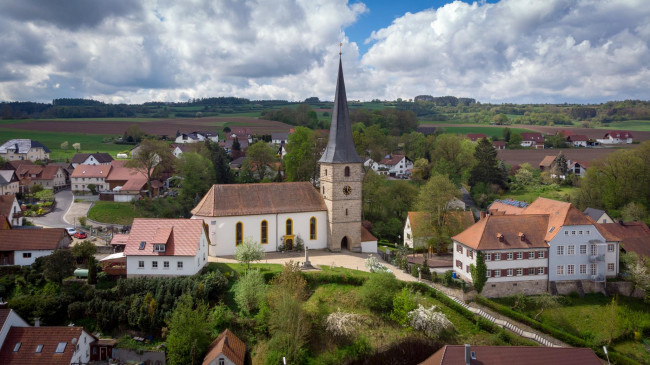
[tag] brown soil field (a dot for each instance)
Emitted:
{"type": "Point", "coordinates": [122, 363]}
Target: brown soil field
{"type": "Point", "coordinates": [534, 157]}
{"type": "Point", "coordinates": [589, 132]}
{"type": "Point", "coordinates": [162, 126]}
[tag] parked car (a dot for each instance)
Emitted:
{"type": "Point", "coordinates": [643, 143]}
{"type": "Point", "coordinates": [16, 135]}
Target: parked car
{"type": "Point", "coordinates": [80, 235]}
{"type": "Point", "coordinates": [71, 231]}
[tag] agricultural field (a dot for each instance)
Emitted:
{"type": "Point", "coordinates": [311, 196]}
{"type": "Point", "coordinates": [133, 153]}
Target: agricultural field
{"type": "Point", "coordinates": [534, 157]}
{"type": "Point", "coordinates": [490, 131]}
{"type": "Point", "coordinates": [630, 125]}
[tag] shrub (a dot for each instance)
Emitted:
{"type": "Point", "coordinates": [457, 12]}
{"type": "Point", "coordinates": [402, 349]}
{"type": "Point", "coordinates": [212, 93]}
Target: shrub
{"type": "Point", "coordinates": [403, 303]}
{"type": "Point", "coordinates": [250, 290]}
{"type": "Point", "coordinates": [82, 221]}
{"type": "Point", "coordinates": [415, 270]}
{"type": "Point", "coordinates": [249, 251]}
{"type": "Point", "coordinates": [433, 323]}
{"type": "Point", "coordinates": [378, 291]}
{"type": "Point", "coordinates": [374, 265]}
{"type": "Point", "coordinates": [342, 324]}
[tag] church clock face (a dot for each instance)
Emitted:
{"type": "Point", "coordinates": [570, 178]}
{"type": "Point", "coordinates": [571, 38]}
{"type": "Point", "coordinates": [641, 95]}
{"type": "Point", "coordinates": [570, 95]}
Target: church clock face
{"type": "Point", "coordinates": [347, 190]}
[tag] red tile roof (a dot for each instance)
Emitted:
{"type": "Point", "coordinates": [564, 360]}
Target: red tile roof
{"type": "Point", "coordinates": [6, 202]}
{"type": "Point", "coordinates": [366, 236]}
{"type": "Point", "coordinates": [229, 345]}
{"type": "Point", "coordinates": [499, 143]}
{"type": "Point", "coordinates": [535, 137]}
{"type": "Point", "coordinates": [501, 355]}
{"type": "Point", "coordinates": [475, 136]}
{"type": "Point", "coordinates": [183, 240]}
{"type": "Point", "coordinates": [619, 134]}
{"type": "Point", "coordinates": [578, 138]}
{"type": "Point", "coordinates": [33, 239]}
{"type": "Point", "coordinates": [31, 337]}
{"type": "Point", "coordinates": [99, 171]}
{"type": "Point", "coordinates": [119, 239]}
{"type": "Point", "coordinates": [547, 161]}
{"type": "Point", "coordinates": [635, 236]}
{"type": "Point", "coordinates": [502, 208]}
{"type": "Point", "coordinates": [484, 234]}
{"type": "Point", "coordinates": [42, 172]}
{"type": "Point", "coordinates": [391, 159]}
{"type": "Point", "coordinates": [250, 199]}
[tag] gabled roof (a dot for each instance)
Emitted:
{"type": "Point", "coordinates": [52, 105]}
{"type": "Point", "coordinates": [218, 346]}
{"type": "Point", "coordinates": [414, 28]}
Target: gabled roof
{"type": "Point", "coordinates": [635, 236]}
{"type": "Point", "coordinates": [183, 238]}
{"type": "Point", "coordinates": [594, 213]}
{"type": "Point", "coordinates": [507, 206]}
{"type": "Point", "coordinates": [475, 136]}
{"type": "Point", "coordinates": [484, 234]}
{"type": "Point", "coordinates": [229, 345]}
{"type": "Point", "coordinates": [250, 199]}
{"type": "Point", "coordinates": [499, 143]}
{"type": "Point", "coordinates": [562, 214]}
{"type": "Point", "coordinates": [22, 146]}
{"type": "Point", "coordinates": [6, 202]}
{"type": "Point", "coordinates": [584, 164]}
{"type": "Point", "coordinates": [340, 146]}
{"type": "Point", "coordinates": [391, 159]}
{"type": "Point", "coordinates": [619, 134]}
{"type": "Point", "coordinates": [547, 161]}
{"type": "Point", "coordinates": [243, 143]}
{"type": "Point", "coordinates": [578, 138]}
{"type": "Point", "coordinates": [15, 164]}
{"type": "Point", "coordinates": [500, 355]}
{"type": "Point", "coordinates": [7, 177]}
{"type": "Point", "coordinates": [280, 136]}
{"type": "Point", "coordinates": [96, 171]}
{"type": "Point", "coordinates": [33, 239]}
{"type": "Point", "coordinates": [366, 236]}
{"type": "Point", "coordinates": [42, 172]}
{"type": "Point", "coordinates": [535, 137]}
{"type": "Point", "coordinates": [100, 157]}
{"type": "Point", "coordinates": [31, 337]}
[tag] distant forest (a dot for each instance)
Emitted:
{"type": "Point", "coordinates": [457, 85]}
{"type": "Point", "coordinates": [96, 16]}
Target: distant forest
{"type": "Point", "coordinates": [399, 114]}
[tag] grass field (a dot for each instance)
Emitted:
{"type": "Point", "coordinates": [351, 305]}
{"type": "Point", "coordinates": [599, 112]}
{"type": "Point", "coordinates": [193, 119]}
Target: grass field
{"type": "Point", "coordinates": [489, 131]}
{"type": "Point", "coordinates": [632, 125]}
{"type": "Point", "coordinates": [113, 213]}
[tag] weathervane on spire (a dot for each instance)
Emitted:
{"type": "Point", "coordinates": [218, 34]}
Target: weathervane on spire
{"type": "Point", "coordinates": [340, 48]}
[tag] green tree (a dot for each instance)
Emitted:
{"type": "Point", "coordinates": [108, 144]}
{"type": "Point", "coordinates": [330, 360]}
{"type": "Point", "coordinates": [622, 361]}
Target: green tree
{"type": "Point", "coordinates": [421, 170]}
{"type": "Point", "coordinates": [403, 303]}
{"type": "Point", "coordinates": [487, 168]}
{"type": "Point", "coordinates": [92, 270]}
{"type": "Point", "coordinates": [479, 272]}
{"type": "Point", "coordinates": [198, 176]}
{"type": "Point", "coordinates": [64, 145]}
{"type": "Point", "coordinates": [559, 167]}
{"type": "Point", "coordinates": [153, 158]}
{"type": "Point", "coordinates": [36, 188]}
{"type": "Point", "coordinates": [220, 162]}
{"type": "Point", "coordinates": [45, 195]}
{"type": "Point", "coordinates": [515, 141]}
{"type": "Point", "coordinates": [545, 301]}
{"type": "Point", "coordinates": [506, 134]}
{"type": "Point", "coordinates": [415, 145]}
{"type": "Point", "coordinates": [378, 291]}
{"type": "Point", "coordinates": [302, 156]}
{"type": "Point", "coordinates": [189, 332]}
{"type": "Point", "coordinates": [250, 291]}
{"type": "Point", "coordinates": [84, 250]}
{"type": "Point", "coordinates": [434, 197]}
{"type": "Point", "coordinates": [59, 265]}
{"type": "Point", "coordinates": [453, 156]}
{"type": "Point", "coordinates": [249, 251]}
{"type": "Point", "coordinates": [633, 212]}
{"type": "Point", "coordinates": [133, 133]}
{"type": "Point", "coordinates": [260, 160]}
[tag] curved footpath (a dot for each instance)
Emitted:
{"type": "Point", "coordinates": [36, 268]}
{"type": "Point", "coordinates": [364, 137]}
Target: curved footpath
{"type": "Point", "coordinates": [351, 260]}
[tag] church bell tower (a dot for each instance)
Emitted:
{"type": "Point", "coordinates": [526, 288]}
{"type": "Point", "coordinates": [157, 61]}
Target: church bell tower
{"type": "Point", "coordinates": [340, 177]}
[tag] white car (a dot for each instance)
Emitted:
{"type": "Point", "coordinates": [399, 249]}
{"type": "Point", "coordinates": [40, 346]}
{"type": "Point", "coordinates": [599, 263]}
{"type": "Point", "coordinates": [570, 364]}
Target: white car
{"type": "Point", "coordinates": [71, 230]}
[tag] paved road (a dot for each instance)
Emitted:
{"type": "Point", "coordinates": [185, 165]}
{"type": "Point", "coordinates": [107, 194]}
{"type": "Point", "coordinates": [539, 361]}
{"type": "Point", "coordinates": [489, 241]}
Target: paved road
{"type": "Point", "coordinates": [55, 219]}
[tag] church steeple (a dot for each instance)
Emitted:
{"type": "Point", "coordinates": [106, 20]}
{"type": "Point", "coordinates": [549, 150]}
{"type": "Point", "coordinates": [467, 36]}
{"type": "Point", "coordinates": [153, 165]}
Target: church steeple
{"type": "Point", "coordinates": [340, 147]}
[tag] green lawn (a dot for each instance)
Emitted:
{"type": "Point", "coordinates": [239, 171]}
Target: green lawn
{"type": "Point", "coordinates": [113, 212]}
{"type": "Point", "coordinates": [489, 131]}
{"type": "Point", "coordinates": [632, 125]}
{"type": "Point", "coordinates": [529, 196]}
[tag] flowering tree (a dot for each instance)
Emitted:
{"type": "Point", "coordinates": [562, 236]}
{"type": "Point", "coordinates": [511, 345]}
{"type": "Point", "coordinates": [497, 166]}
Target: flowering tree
{"type": "Point", "coordinates": [249, 251]}
{"type": "Point", "coordinates": [342, 324]}
{"type": "Point", "coordinates": [374, 265]}
{"type": "Point", "coordinates": [433, 323]}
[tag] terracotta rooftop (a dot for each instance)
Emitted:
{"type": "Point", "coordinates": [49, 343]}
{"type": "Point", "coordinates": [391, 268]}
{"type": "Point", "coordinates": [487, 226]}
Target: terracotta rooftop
{"type": "Point", "coordinates": [635, 236]}
{"type": "Point", "coordinates": [391, 159]}
{"type": "Point", "coordinates": [475, 136]}
{"type": "Point", "coordinates": [95, 171]}
{"type": "Point", "coordinates": [547, 161]}
{"type": "Point", "coordinates": [13, 165]}
{"type": "Point", "coordinates": [484, 234]}
{"type": "Point", "coordinates": [366, 236]}
{"type": "Point", "coordinates": [31, 337]}
{"type": "Point", "coordinates": [578, 138]}
{"type": "Point", "coordinates": [619, 134]}
{"type": "Point", "coordinates": [251, 199]}
{"type": "Point", "coordinates": [507, 206]}
{"type": "Point", "coordinates": [229, 345]}
{"type": "Point", "coordinates": [535, 137]}
{"type": "Point", "coordinates": [501, 355]}
{"type": "Point", "coordinates": [183, 240]}
{"type": "Point", "coordinates": [32, 239]}
{"type": "Point", "coordinates": [6, 202]}
{"type": "Point", "coordinates": [119, 239]}
{"type": "Point", "coordinates": [499, 143]}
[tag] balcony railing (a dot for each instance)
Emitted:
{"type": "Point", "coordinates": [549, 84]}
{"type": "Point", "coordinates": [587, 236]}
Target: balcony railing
{"type": "Point", "coordinates": [598, 278]}
{"type": "Point", "coordinates": [595, 258]}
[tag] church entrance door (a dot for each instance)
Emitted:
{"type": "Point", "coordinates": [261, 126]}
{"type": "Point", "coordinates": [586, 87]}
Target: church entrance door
{"type": "Point", "coordinates": [288, 245]}
{"type": "Point", "coordinates": [344, 243]}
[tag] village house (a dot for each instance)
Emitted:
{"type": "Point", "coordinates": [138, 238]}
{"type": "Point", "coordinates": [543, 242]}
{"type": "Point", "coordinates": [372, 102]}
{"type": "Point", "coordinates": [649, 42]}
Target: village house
{"type": "Point", "coordinates": [24, 149]}
{"type": "Point", "coordinates": [280, 138]}
{"type": "Point", "coordinates": [91, 159]}
{"type": "Point", "coordinates": [23, 246]}
{"type": "Point", "coordinates": [534, 140]}
{"type": "Point", "coordinates": [499, 145]}
{"type": "Point", "coordinates": [57, 345]}
{"type": "Point", "coordinates": [635, 237]}
{"type": "Point", "coordinates": [391, 165]}
{"type": "Point", "coordinates": [241, 133]}
{"type": "Point", "coordinates": [507, 206]}
{"type": "Point", "coordinates": [578, 140]}
{"type": "Point", "coordinates": [598, 215]}
{"type": "Point", "coordinates": [578, 168]}
{"type": "Point", "coordinates": [501, 355]}
{"type": "Point", "coordinates": [616, 137]}
{"type": "Point", "coordinates": [9, 183]}
{"type": "Point", "coordinates": [10, 209]}
{"type": "Point", "coordinates": [127, 183]}
{"type": "Point", "coordinates": [226, 349]}
{"type": "Point", "coordinates": [474, 137]}
{"type": "Point", "coordinates": [195, 137]}
{"type": "Point", "coordinates": [179, 149]}
{"type": "Point", "coordinates": [166, 247]}
{"type": "Point", "coordinates": [84, 175]}
{"type": "Point", "coordinates": [547, 242]}
{"type": "Point", "coordinates": [49, 177]}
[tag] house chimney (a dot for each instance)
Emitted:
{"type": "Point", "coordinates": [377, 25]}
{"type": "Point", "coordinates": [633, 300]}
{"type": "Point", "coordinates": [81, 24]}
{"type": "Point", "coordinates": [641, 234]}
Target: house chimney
{"type": "Point", "coordinates": [500, 237]}
{"type": "Point", "coordinates": [522, 236]}
{"type": "Point", "coordinates": [37, 322]}
{"type": "Point", "coordinates": [468, 354]}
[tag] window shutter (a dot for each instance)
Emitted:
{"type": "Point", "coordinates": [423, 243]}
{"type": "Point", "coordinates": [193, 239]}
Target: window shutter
{"type": "Point", "coordinates": [525, 271]}
{"type": "Point", "coordinates": [504, 256]}
{"type": "Point", "coordinates": [504, 272]}
{"type": "Point", "coordinates": [526, 257]}
{"type": "Point", "coordinates": [546, 270]}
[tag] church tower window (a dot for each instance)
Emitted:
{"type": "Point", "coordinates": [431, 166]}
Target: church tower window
{"type": "Point", "coordinates": [289, 227]}
{"type": "Point", "coordinates": [347, 171]}
{"type": "Point", "coordinates": [312, 228]}
{"type": "Point", "coordinates": [239, 233]}
{"type": "Point", "coordinates": [264, 232]}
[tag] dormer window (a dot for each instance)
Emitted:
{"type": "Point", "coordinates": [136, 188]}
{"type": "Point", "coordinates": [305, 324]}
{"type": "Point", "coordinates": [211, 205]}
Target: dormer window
{"type": "Point", "coordinates": [159, 248]}
{"type": "Point", "coordinates": [60, 348]}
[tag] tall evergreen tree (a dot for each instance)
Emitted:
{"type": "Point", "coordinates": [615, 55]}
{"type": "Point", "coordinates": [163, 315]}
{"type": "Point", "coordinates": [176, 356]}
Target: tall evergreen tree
{"type": "Point", "coordinates": [487, 168]}
{"type": "Point", "coordinates": [220, 161]}
{"type": "Point", "coordinates": [559, 166]}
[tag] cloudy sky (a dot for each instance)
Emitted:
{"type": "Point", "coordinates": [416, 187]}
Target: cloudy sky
{"type": "Point", "coordinates": [169, 50]}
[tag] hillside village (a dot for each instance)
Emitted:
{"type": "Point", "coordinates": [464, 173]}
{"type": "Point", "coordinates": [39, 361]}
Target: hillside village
{"type": "Point", "coordinates": [337, 245]}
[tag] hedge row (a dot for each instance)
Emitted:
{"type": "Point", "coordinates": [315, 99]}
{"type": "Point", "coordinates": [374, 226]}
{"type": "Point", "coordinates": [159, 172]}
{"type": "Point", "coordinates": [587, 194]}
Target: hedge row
{"type": "Point", "coordinates": [556, 333]}
{"type": "Point", "coordinates": [321, 277]}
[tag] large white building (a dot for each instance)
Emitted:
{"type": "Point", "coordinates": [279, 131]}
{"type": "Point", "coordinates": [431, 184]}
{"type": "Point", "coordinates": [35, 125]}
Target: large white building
{"type": "Point", "coordinates": [392, 165]}
{"type": "Point", "coordinates": [166, 247]}
{"type": "Point", "coordinates": [24, 149]}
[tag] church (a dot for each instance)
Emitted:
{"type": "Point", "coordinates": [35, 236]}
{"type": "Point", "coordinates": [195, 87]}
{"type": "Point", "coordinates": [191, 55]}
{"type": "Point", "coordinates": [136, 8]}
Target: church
{"type": "Point", "coordinates": [277, 215]}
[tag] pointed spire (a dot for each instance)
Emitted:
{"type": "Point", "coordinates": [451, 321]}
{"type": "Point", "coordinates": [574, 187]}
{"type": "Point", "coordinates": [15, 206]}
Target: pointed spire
{"type": "Point", "coordinates": [340, 147]}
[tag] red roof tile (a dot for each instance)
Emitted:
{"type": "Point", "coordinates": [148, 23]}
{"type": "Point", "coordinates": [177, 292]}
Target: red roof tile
{"type": "Point", "coordinates": [500, 355]}
{"type": "Point", "coordinates": [502, 208]}
{"type": "Point", "coordinates": [34, 239]}
{"type": "Point", "coordinates": [547, 161]}
{"type": "Point", "coordinates": [183, 240]}
{"type": "Point", "coordinates": [6, 202]}
{"type": "Point", "coordinates": [484, 234]}
{"type": "Point", "coordinates": [392, 159]}
{"type": "Point", "coordinates": [535, 137]}
{"type": "Point", "coordinates": [31, 337]}
{"type": "Point", "coordinates": [229, 345]}
{"type": "Point", "coordinates": [635, 236]}
{"type": "Point", "coordinates": [475, 136]}
{"type": "Point", "coordinates": [366, 236]}
{"type": "Point", "coordinates": [99, 171]}
{"type": "Point", "coordinates": [578, 138]}
{"type": "Point", "coordinates": [619, 134]}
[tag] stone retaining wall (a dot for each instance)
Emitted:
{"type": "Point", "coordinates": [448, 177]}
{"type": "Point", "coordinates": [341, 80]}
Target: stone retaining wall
{"type": "Point", "coordinates": [507, 288]}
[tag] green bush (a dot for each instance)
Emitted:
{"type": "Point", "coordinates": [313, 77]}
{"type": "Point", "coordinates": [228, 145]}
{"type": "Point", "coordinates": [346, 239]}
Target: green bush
{"type": "Point", "coordinates": [403, 303]}
{"type": "Point", "coordinates": [414, 270]}
{"type": "Point", "coordinates": [378, 291]}
{"type": "Point", "coordinates": [249, 290]}
{"type": "Point", "coordinates": [82, 221]}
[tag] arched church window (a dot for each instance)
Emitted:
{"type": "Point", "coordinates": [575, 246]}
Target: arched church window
{"type": "Point", "coordinates": [347, 170]}
{"type": "Point", "coordinates": [346, 211]}
{"type": "Point", "coordinates": [264, 232]}
{"type": "Point", "coordinates": [239, 233]}
{"type": "Point", "coordinates": [312, 228]}
{"type": "Point", "coordinates": [289, 227]}
{"type": "Point", "coordinates": [325, 172]}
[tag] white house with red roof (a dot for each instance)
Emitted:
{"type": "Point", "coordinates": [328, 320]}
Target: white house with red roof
{"type": "Point", "coordinates": [534, 140]}
{"type": "Point", "coordinates": [578, 140]}
{"type": "Point", "coordinates": [166, 247]}
{"type": "Point", "coordinates": [24, 246]}
{"type": "Point", "coordinates": [392, 165]}
{"type": "Point", "coordinates": [616, 137]}
{"type": "Point", "coordinates": [474, 137]}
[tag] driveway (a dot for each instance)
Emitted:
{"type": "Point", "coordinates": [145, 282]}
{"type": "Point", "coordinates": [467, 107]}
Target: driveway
{"type": "Point", "coordinates": [55, 219]}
